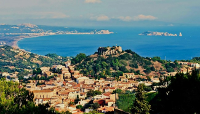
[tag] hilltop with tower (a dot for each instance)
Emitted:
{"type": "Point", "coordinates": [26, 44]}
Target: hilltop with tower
{"type": "Point", "coordinates": [109, 50]}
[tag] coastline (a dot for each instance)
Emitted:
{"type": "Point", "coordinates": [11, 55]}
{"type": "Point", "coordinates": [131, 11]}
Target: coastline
{"type": "Point", "coordinates": [14, 44]}
{"type": "Point", "coordinates": [17, 39]}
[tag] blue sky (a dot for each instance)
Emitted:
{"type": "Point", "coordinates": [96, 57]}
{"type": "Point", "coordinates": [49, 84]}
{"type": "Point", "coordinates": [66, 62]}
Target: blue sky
{"type": "Point", "coordinates": [101, 12]}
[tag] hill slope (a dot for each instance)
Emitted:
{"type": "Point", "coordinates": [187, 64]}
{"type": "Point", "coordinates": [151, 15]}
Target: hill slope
{"type": "Point", "coordinates": [102, 66]}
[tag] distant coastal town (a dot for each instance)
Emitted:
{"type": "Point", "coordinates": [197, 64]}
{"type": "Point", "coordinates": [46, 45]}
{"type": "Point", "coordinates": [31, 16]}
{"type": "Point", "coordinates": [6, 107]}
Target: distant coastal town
{"type": "Point", "coordinates": [150, 33]}
{"type": "Point", "coordinates": [11, 34]}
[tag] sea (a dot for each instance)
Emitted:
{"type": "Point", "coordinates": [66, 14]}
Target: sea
{"type": "Point", "coordinates": [166, 47]}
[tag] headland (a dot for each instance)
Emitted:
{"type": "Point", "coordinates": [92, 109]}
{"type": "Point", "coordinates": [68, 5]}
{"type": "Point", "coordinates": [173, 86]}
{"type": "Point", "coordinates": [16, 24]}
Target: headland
{"type": "Point", "coordinates": [11, 34]}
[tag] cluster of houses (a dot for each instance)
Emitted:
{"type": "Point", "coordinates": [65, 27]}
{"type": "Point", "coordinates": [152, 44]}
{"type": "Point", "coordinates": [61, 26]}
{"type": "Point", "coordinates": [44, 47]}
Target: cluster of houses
{"type": "Point", "coordinates": [69, 84]}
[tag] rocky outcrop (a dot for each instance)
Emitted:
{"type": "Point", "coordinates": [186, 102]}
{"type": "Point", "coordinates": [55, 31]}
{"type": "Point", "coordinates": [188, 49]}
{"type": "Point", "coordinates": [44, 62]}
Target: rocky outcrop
{"type": "Point", "coordinates": [109, 50]}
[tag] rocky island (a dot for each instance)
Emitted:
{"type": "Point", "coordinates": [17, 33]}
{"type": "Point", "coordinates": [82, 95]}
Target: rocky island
{"type": "Point", "coordinates": [150, 33]}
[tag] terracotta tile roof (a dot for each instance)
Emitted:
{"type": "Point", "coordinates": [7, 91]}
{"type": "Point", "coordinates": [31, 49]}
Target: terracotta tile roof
{"type": "Point", "coordinates": [45, 90]}
{"type": "Point", "coordinates": [63, 93]}
{"type": "Point", "coordinates": [106, 94]}
{"type": "Point", "coordinates": [112, 87]}
{"type": "Point", "coordinates": [106, 109]}
{"type": "Point", "coordinates": [89, 88]}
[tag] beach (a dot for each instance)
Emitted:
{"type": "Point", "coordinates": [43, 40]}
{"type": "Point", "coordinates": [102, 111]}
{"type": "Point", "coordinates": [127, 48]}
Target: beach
{"type": "Point", "coordinates": [14, 43]}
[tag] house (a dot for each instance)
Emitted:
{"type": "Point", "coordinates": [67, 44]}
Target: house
{"type": "Point", "coordinates": [73, 94]}
{"type": "Point", "coordinates": [89, 81]}
{"type": "Point", "coordinates": [109, 89]}
{"type": "Point", "coordinates": [58, 66]}
{"type": "Point", "coordinates": [67, 75]}
{"type": "Point", "coordinates": [5, 74]}
{"type": "Point", "coordinates": [82, 79]}
{"type": "Point", "coordinates": [71, 69]}
{"type": "Point", "coordinates": [129, 75]}
{"type": "Point", "coordinates": [83, 102]}
{"type": "Point", "coordinates": [110, 102]}
{"type": "Point", "coordinates": [183, 63]}
{"type": "Point", "coordinates": [105, 109]}
{"type": "Point", "coordinates": [68, 63]}
{"type": "Point", "coordinates": [48, 93]}
{"type": "Point", "coordinates": [156, 80]}
{"type": "Point", "coordinates": [196, 65]}
{"type": "Point", "coordinates": [98, 97]}
{"type": "Point", "coordinates": [82, 95]}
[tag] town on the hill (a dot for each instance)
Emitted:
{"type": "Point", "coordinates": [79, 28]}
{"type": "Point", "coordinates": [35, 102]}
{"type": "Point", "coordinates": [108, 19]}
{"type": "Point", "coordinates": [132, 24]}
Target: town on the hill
{"type": "Point", "coordinates": [67, 89]}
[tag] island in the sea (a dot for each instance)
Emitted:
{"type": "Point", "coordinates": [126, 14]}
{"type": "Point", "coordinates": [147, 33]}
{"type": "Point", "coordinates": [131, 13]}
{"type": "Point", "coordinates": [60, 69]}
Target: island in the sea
{"type": "Point", "coordinates": [10, 34]}
{"type": "Point", "coordinates": [150, 33]}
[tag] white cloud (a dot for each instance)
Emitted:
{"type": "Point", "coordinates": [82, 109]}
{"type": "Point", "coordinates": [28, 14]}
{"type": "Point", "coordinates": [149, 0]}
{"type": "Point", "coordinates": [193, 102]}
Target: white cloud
{"type": "Point", "coordinates": [100, 18]}
{"type": "Point", "coordinates": [144, 17]}
{"type": "Point", "coordinates": [92, 1]}
{"type": "Point", "coordinates": [137, 18]}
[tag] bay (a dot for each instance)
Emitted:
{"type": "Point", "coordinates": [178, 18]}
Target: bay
{"type": "Point", "coordinates": [173, 48]}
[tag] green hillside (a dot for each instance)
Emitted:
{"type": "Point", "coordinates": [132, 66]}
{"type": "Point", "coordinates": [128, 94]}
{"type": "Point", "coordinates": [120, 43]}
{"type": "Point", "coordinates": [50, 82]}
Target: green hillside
{"type": "Point", "coordinates": [12, 60]}
{"type": "Point", "coordinates": [115, 65]}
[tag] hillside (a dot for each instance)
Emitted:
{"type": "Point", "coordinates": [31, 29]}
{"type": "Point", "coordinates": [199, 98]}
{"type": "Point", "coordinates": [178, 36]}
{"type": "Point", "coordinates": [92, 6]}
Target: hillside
{"type": "Point", "coordinates": [102, 65]}
{"type": "Point", "coordinates": [112, 64]}
{"type": "Point", "coordinates": [12, 60]}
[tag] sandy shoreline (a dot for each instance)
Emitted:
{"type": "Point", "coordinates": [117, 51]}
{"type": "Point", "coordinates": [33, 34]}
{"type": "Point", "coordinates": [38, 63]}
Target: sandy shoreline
{"type": "Point", "coordinates": [15, 42]}
{"type": "Point", "coordinates": [16, 39]}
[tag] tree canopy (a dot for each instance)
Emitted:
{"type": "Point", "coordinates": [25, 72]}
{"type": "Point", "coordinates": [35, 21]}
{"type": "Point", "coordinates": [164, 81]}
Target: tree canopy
{"type": "Point", "coordinates": [141, 106]}
{"type": "Point", "coordinates": [17, 100]}
{"type": "Point", "coordinates": [180, 96]}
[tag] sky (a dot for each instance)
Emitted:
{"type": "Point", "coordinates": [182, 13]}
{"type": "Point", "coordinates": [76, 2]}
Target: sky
{"type": "Point", "coordinates": [101, 12]}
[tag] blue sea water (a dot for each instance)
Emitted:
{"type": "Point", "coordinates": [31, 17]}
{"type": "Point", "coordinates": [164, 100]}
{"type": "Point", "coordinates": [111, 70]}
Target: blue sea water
{"type": "Point", "coordinates": [173, 48]}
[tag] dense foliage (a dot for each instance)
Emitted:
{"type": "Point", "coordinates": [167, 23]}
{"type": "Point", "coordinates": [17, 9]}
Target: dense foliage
{"type": "Point", "coordinates": [141, 105]}
{"type": "Point", "coordinates": [15, 60]}
{"type": "Point", "coordinates": [194, 60]}
{"type": "Point", "coordinates": [17, 100]}
{"type": "Point", "coordinates": [180, 96]}
{"type": "Point", "coordinates": [21, 59]}
{"type": "Point", "coordinates": [168, 65]}
{"type": "Point", "coordinates": [125, 101]}
{"type": "Point", "coordinates": [78, 58]}
{"type": "Point", "coordinates": [114, 66]}
{"type": "Point", "coordinates": [92, 93]}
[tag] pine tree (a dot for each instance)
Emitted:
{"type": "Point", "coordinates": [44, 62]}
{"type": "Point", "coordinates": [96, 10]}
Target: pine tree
{"type": "Point", "coordinates": [141, 106]}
